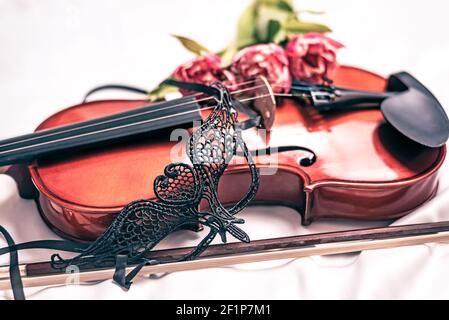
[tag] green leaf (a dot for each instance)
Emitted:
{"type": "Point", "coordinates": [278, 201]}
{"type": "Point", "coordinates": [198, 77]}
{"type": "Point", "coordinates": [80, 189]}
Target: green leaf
{"type": "Point", "coordinates": [296, 26]}
{"type": "Point", "coordinates": [273, 28]}
{"type": "Point", "coordinates": [161, 91]}
{"type": "Point", "coordinates": [286, 5]}
{"type": "Point", "coordinates": [280, 37]}
{"type": "Point", "coordinates": [314, 12]}
{"type": "Point", "coordinates": [191, 45]}
{"type": "Point", "coordinates": [266, 13]}
{"type": "Point", "coordinates": [246, 27]}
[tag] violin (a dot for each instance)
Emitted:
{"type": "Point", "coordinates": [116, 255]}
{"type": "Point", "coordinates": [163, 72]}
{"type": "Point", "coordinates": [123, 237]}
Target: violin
{"type": "Point", "coordinates": [350, 163]}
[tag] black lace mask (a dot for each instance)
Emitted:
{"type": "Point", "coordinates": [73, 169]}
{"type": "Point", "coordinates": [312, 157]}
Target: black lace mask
{"type": "Point", "coordinates": [143, 224]}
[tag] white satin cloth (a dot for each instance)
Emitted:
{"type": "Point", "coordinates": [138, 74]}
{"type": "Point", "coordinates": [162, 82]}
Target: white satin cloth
{"type": "Point", "coordinates": [54, 51]}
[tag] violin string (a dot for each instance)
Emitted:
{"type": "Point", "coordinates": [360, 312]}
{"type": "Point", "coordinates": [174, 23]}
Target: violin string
{"type": "Point", "coordinates": [154, 106]}
{"type": "Point", "coordinates": [83, 126]}
{"type": "Point", "coordinates": [117, 127]}
{"type": "Point", "coordinates": [239, 84]}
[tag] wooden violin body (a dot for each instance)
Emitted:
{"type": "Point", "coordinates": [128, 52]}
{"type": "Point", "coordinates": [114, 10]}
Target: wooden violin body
{"type": "Point", "coordinates": [365, 169]}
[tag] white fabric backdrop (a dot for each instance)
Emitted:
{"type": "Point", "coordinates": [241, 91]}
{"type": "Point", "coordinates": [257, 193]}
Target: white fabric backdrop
{"type": "Point", "coordinates": [53, 51]}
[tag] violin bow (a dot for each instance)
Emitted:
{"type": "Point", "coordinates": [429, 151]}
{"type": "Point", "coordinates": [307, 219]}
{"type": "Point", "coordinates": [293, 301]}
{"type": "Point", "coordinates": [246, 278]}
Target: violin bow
{"type": "Point", "coordinates": [293, 247]}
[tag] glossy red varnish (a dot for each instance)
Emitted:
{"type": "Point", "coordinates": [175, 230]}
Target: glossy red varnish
{"type": "Point", "coordinates": [365, 169]}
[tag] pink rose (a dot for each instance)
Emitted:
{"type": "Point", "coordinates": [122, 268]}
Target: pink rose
{"type": "Point", "coordinates": [312, 57]}
{"type": "Point", "coordinates": [268, 60]}
{"type": "Point", "coordinates": [204, 69]}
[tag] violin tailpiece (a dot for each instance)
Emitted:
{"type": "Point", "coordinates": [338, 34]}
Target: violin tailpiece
{"type": "Point", "coordinates": [142, 224]}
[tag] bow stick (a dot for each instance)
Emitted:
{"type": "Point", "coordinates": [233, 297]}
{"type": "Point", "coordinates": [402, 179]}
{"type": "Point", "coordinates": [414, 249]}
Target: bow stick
{"type": "Point", "coordinates": [41, 274]}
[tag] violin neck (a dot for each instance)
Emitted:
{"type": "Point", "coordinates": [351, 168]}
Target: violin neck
{"type": "Point", "coordinates": [162, 115]}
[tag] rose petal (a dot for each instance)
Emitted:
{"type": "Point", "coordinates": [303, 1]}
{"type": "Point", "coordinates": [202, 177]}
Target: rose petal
{"type": "Point", "coordinates": [268, 60]}
{"type": "Point", "coordinates": [312, 56]}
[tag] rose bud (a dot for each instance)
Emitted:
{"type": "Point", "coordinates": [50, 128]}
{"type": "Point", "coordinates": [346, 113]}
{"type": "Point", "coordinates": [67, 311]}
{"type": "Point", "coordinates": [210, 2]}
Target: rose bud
{"type": "Point", "coordinates": [268, 60]}
{"type": "Point", "coordinates": [205, 69]}
{"type": "Point", "coordinates": [312, 57]}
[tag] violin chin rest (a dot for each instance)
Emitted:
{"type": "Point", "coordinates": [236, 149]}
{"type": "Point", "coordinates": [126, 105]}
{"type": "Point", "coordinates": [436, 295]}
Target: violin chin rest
{"type": "Point", "coordinates": [415, 112]}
